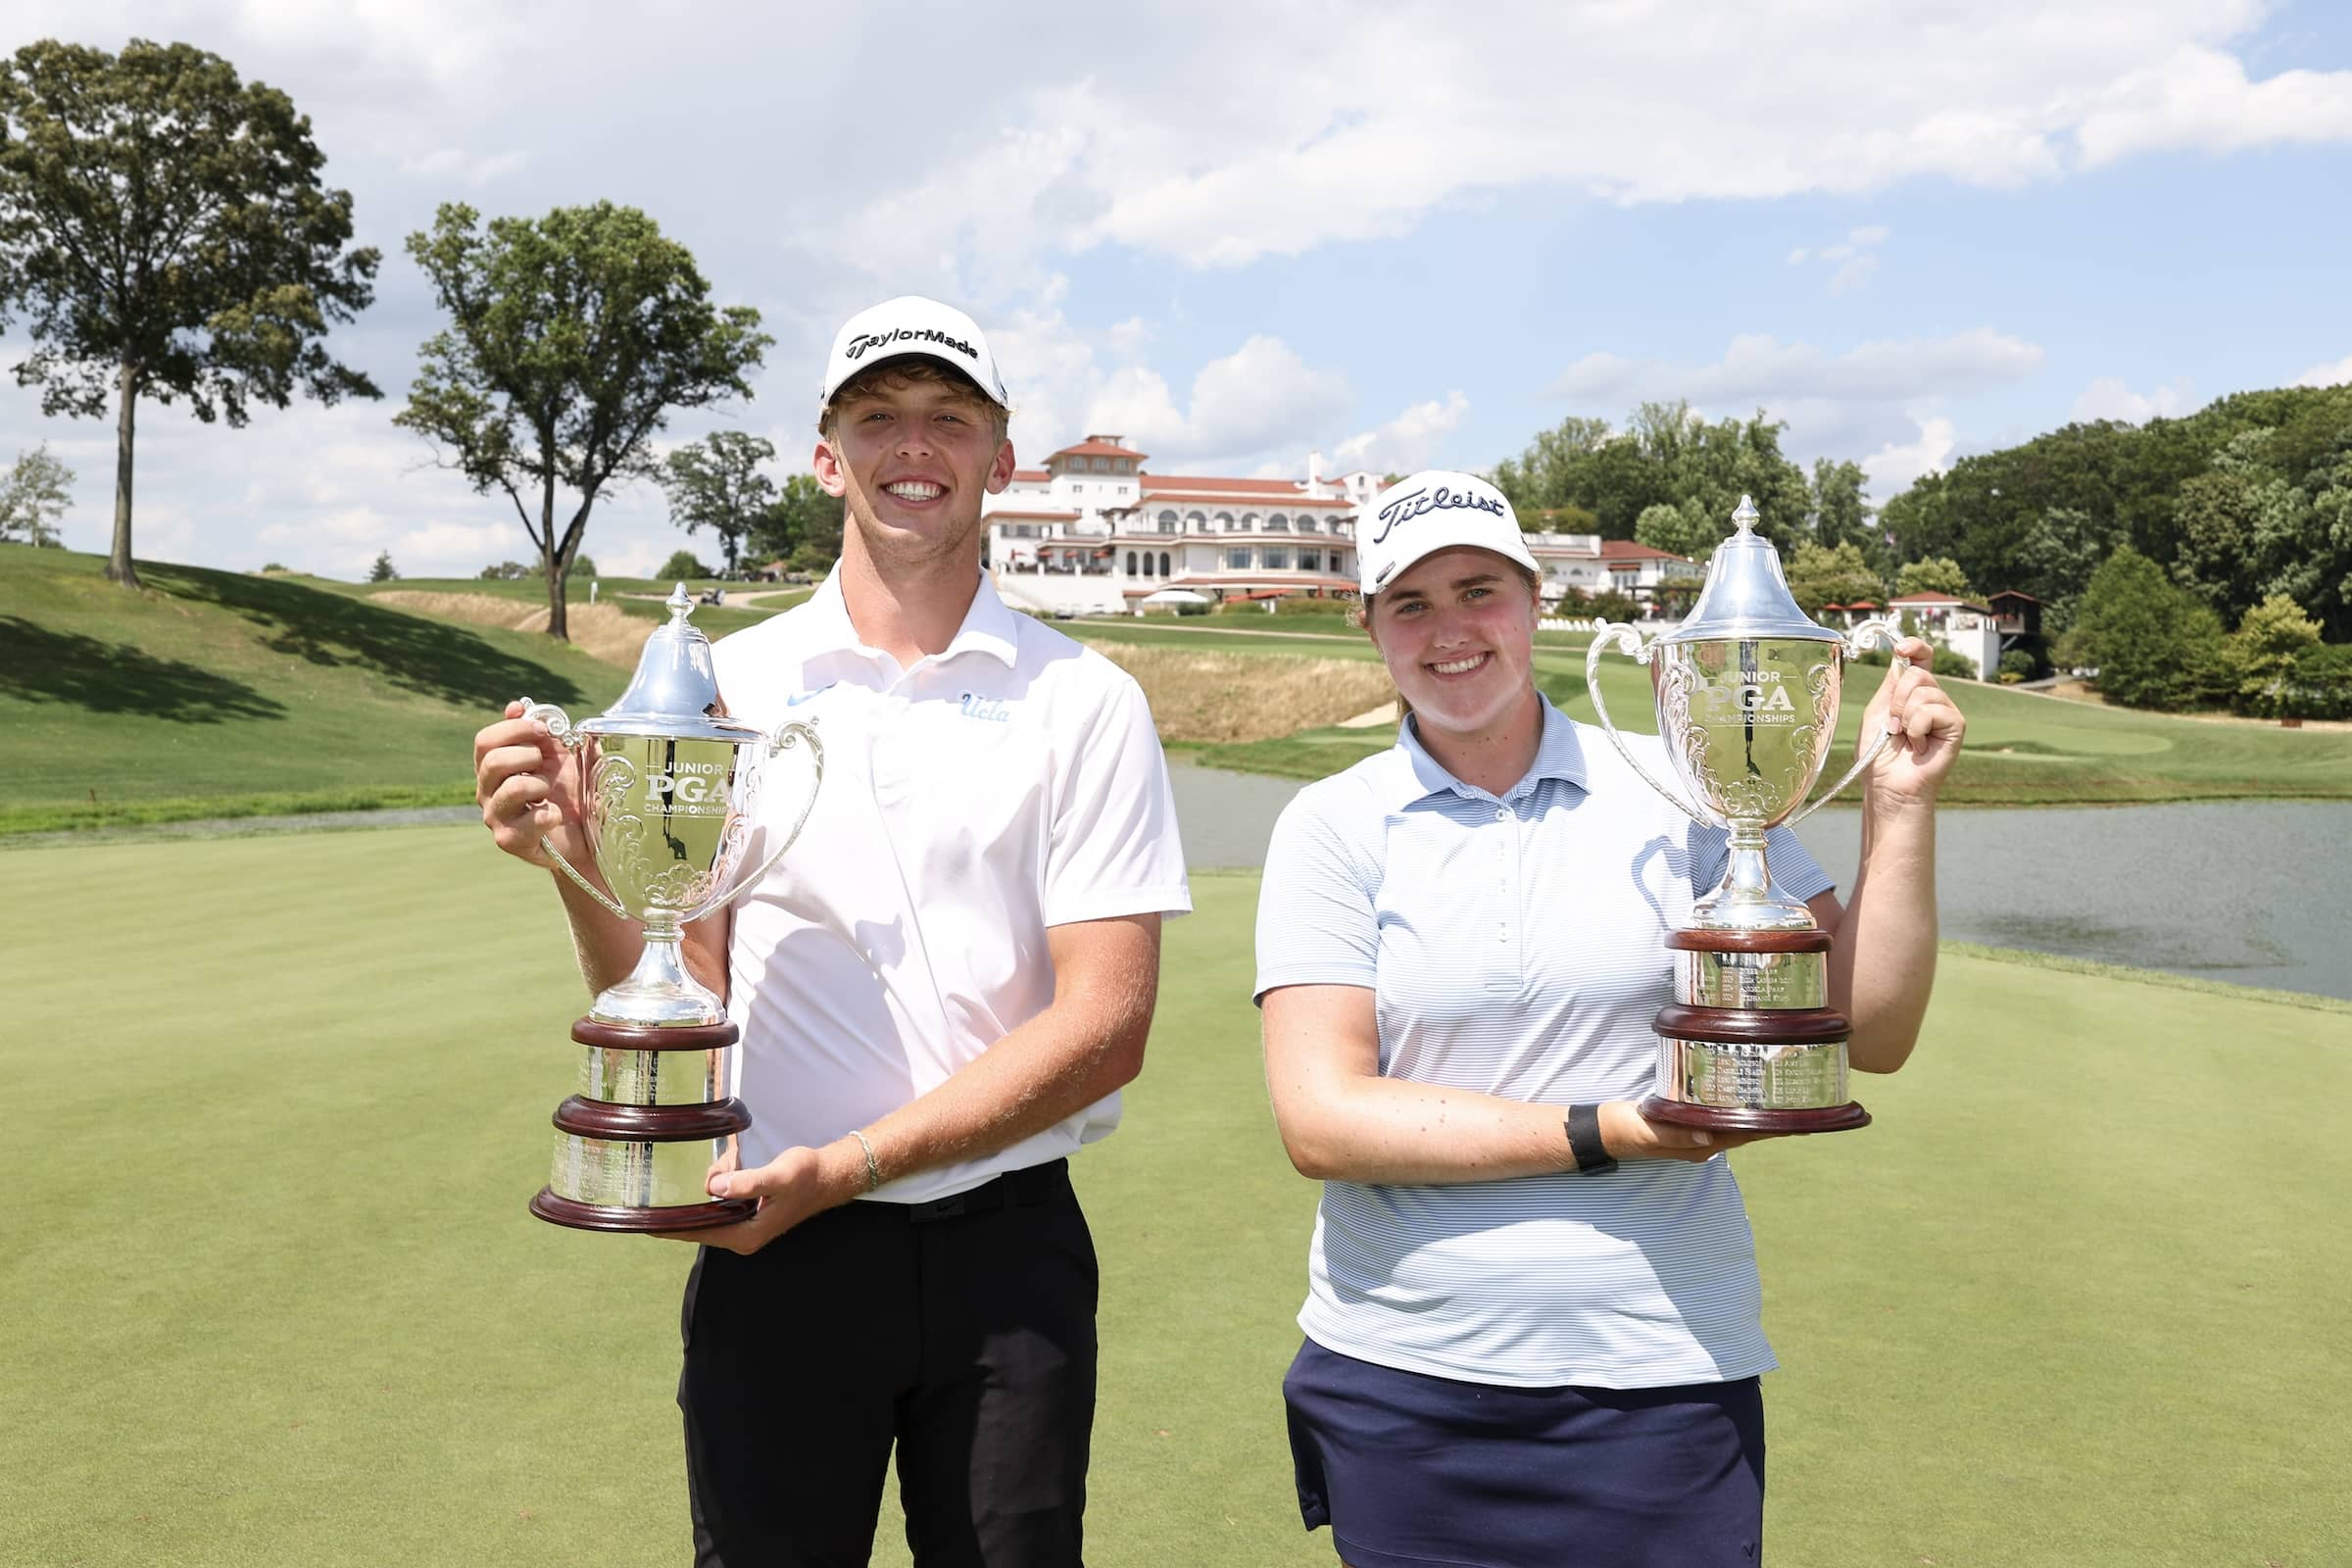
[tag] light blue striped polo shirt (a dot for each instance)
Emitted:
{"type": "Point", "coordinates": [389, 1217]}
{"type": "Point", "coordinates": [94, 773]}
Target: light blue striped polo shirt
{"type": "Point", "coordinates": [1515, 948]}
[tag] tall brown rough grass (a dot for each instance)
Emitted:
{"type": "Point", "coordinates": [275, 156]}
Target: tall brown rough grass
{"type": "Point", "coordinates": [601, 632]}
{"type": "Point", "coordinates": [1212, 697]}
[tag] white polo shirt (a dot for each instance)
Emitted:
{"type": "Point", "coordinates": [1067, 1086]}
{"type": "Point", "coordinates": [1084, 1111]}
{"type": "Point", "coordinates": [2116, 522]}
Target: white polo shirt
{"type": "Point", "coordinates": [1514, 945]}
{"type": "Point", "coordinates": [1004, 786]}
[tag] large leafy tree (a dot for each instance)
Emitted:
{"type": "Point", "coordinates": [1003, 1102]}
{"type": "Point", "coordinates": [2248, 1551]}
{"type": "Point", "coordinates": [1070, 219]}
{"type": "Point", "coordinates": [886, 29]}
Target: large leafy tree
{"type": "Point", "coordinates": [1936, 574]}
{"type": "Point", "coordinates": [1667, 457]}
{"type": "Point", "coordinates": [1819, 576]}
{"type": "Point", "coordinates": [802, 525]}
{"type": "Point", "coordinates": [2153, 643]}
{"type": "Point", "coordinates": [572, 339]}
{"type": "Point", "coordinates": [164, 230]}
{"type": "Point", "coordinates": [33, 497]}
{"type": "Point", "coordinates": [716, 483]}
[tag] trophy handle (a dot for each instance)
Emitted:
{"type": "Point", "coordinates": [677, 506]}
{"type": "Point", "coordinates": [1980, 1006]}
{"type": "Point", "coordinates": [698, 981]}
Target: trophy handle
{"type": "Point", "coordinates": [785, 737]}
{"type": "Point", "coordinates": [559, 724]}
{"type": "Point", "coordinates": [1608, 633]}
{"type": "Point", "coordinates": [1876, 629]}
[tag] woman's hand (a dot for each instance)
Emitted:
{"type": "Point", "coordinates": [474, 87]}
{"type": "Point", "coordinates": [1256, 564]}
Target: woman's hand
{"type": "Point", "coordinates": [1926, 727]}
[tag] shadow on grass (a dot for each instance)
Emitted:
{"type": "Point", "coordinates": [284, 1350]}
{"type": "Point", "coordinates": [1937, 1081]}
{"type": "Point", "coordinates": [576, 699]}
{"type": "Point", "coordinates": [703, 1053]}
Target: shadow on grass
{"type": "Point", "coordinates": [430, 657]}
{"type": "Point", "coordinates": [43, 665]}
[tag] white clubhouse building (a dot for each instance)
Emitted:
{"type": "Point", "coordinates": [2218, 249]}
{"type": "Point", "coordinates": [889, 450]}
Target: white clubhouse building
{"type": "Point", "coordinates": [1093, 534]}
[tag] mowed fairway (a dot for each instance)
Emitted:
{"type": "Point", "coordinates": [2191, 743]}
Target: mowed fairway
{"type": "Point", "coordinates": [2077, 1299]}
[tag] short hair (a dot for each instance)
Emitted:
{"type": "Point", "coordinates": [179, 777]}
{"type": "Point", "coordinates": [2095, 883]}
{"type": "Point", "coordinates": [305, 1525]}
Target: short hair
{"type": "Point", "coordinates": [910, 371]}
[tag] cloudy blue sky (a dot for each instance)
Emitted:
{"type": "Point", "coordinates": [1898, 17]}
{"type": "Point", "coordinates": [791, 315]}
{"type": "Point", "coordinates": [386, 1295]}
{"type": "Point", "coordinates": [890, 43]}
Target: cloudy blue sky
{"type": "Point", "coordinates": [1405, 235]}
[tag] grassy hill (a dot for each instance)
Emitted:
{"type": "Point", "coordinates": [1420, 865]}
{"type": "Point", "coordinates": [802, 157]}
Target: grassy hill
{"type": "Point", "coordinates": [215, 693]}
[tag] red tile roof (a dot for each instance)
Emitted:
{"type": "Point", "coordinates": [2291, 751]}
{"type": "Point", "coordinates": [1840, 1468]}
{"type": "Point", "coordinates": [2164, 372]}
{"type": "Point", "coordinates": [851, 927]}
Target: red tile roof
{"type": "Point", "coordinates": [1634, 550]}
{"type": "Point", "coordinates": [1033, 516]}
{"type": "Point", "coordinates": [1095, 446]}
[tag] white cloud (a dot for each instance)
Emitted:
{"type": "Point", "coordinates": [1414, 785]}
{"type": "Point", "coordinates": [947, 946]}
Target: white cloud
{"type": "Point", "coordinates": [2335, 374]}
{"type": "Point", "coordinates": [1407, 442]}
{"type": "Point", "coordinates": [1310, 136]}
{"type": "Point", "coordinates": [1260, 398]}
{"type": "Point", "coordinates": [2108, 398]}
{"type": "Point", "coordinates": [1853, 275]}
{"type": "Point", "coordinates": [444, 163]}
{"type": "Point", "coordinates": [1759, 369]}
{"type": "Point", "coordinates": [1895, 466]}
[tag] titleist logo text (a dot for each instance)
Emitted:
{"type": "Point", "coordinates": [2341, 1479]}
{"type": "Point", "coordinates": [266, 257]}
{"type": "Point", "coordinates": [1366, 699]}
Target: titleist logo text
{"type": "Point", "coordinates": [1408, 507]}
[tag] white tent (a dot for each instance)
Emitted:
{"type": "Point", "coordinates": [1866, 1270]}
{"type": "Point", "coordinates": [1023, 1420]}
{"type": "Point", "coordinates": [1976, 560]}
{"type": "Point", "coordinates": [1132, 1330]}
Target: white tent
{"type": "Point", "coordinates": [1171, 597]}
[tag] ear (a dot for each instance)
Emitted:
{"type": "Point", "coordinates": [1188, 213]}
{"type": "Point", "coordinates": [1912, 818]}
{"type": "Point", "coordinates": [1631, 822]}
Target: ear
{"type": "Point", "coordinates": [832, 476]}
{"type": "Point", "coordinates": [1000, 473]}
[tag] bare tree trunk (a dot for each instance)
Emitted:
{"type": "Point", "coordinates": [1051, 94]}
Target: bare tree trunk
{"type": "Point", "coordinates": [118, 565]}
{"type": "Point", "coordinates": [559, 624]}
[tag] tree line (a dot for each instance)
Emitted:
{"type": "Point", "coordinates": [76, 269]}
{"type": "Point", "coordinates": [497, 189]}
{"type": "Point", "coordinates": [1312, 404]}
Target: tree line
{"type": "Point", "coordinates": [2193, 562]}
{"type": "Point", "coordinates": [167, 235]}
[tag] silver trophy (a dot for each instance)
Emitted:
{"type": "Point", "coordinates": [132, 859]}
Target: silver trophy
{"type": "Point", "coordinates": [671, 793]}
{"type": "Point", "coordinates": [1747, 689]}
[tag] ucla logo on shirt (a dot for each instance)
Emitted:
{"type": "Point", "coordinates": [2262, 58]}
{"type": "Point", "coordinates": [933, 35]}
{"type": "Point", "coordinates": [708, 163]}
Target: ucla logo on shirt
{"type": "Point", "coordinates": [989, 709]}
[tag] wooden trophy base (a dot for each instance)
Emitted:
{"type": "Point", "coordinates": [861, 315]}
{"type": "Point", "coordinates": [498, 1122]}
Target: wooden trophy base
{"type": "Point", "coordinates": [608, 1149]}
{"type": "Point", "coordinates": [1717, 1118]}
{"type": "Point", "coordinates": [1769, 1053]}
{"type": "Point", "coordinates": [642, 1221]}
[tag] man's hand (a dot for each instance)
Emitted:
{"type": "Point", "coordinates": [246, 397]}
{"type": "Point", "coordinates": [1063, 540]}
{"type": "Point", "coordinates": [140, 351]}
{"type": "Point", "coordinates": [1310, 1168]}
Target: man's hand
{"type": "Point", "coordinates": [1927, 727]}
{"type": "Point", "coordinates": [527, 784]}
{"type": "Point", "coordinates": [1626, 1134]}
{"type": "Point", "coordinates": [792, 1187]}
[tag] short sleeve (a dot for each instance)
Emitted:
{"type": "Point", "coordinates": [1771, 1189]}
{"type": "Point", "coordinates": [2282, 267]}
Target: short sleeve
{"type": "Point", "coordinates": [1113, 849]}
{"type": "Point", "coordinates": [1317, 924]}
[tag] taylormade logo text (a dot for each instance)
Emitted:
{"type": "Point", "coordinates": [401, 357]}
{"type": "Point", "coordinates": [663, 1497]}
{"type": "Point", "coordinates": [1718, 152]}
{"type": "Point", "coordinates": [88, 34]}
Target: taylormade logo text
{"type": "Point", "coordinates": [858, 345]}
{"type": "Point", "coordinates": [1412, 504]}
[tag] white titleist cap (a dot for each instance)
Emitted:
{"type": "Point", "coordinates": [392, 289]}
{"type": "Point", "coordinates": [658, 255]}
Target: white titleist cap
{"type": "Point", "coordinates": [1433, 510]}
{"type": "Point", "coordinates": [912, 327]}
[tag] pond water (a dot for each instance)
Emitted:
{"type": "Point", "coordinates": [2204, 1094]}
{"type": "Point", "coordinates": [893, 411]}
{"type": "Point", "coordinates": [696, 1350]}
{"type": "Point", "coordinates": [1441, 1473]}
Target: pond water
{"type": "Point", "coordinates": [2257, 893]}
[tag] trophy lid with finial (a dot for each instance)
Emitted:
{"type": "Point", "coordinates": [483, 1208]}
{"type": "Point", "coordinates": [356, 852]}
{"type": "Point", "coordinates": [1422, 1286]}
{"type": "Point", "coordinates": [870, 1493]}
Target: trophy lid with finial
{"type": "Point", "coordinates": [674, 694]}
{"type": "Point", "coordinates": [1746, 596]}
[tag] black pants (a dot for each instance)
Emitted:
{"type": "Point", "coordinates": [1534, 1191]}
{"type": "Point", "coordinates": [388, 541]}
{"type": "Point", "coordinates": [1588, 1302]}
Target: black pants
{"type": "Point", "coordinates": [963, 1330]}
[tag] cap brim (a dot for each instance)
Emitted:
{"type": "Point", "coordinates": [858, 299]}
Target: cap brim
{"type": "Point", "coordinates": [928, 358]}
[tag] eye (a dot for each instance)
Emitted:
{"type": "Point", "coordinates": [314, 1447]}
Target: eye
{"type": "Point", "coordinates": [1479, 593]}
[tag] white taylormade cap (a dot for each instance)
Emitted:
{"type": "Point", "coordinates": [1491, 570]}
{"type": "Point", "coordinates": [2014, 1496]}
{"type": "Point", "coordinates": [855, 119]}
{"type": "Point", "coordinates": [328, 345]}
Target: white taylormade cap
{"type": "Point", "coordinates": [912, 326]}
{"type": "Point", "coordinates": [1431, 510]}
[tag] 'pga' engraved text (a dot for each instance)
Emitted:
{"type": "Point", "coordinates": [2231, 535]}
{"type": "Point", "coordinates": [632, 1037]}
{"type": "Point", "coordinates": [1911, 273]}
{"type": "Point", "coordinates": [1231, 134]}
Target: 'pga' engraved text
{"type": "Point", "coordinates": [1763, 699]}
{"type": "Point", "coordinates": [691, 788]}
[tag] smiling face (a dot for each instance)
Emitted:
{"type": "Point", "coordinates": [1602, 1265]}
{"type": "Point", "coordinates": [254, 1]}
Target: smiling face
{"type": "Point", "coordinates": [1457, 631]}
{"type": "Point", "coordinates": [913, 457]}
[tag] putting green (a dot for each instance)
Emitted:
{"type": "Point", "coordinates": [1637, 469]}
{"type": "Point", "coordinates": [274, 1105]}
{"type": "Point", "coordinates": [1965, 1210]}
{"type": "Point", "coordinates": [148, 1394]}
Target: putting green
{"type": "Point", "coordinates": [2075, 1299]}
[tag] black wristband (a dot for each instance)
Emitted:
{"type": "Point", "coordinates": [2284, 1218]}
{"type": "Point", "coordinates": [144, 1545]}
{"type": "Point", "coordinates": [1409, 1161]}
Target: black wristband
{"type": "Point", "coordinates": [1585, 1146]}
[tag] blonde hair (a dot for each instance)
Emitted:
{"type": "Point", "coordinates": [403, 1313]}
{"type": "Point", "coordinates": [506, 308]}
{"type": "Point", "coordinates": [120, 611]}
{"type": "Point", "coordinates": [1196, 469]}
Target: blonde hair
{"type": "Point", "coordinates": [911, 370]}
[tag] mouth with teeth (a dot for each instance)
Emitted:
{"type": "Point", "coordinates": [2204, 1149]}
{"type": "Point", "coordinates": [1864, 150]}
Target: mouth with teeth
{"type": "Point", "coordinates": [914, 490]}
{"type": "Point", "coordinates": [1463, 666]}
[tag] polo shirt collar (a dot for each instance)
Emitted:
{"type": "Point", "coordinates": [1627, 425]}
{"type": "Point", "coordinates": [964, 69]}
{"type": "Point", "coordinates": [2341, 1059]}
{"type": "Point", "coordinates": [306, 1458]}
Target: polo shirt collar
{"type": "Point", "coordinates": [1559, 754]}
{"type": "Point", "coordinates": [990, 625]}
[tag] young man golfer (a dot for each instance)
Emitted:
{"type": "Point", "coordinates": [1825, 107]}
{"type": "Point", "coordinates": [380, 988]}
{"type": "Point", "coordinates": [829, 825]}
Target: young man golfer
{"type": "Point", "coordinates": [941, 989]}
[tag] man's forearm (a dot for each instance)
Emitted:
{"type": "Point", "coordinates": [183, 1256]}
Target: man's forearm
{"type": "Point", "coordinates": [1046, 1071]}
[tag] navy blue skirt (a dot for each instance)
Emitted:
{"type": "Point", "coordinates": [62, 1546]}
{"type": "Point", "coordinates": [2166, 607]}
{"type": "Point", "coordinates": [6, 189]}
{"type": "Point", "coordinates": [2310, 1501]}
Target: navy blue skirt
{"type": "Point", "coordinates": [1412, 1471]}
